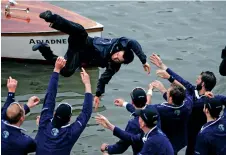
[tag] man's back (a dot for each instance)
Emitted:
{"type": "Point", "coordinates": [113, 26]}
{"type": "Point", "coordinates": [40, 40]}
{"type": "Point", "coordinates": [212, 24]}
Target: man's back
{"type": "Point", "coordinates": [13, 136]}
{"type": "Point", "coordinates": [55, 141]}
{"type": "Point", "coordinates": [174, 120]}
{"type": "Point", "coordinates": [211, 139]}
{"type": "Point", "coordinates": [157, 143]}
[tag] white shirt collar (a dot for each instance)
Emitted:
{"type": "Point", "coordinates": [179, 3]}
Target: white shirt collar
{"type": "Point", "coordinates": [14, 126]}
{"type": "Point", "coordinates": [145, 138]}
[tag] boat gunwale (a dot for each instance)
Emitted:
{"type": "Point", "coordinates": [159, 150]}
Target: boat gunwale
{"type": "Point", "coordinates": [47, 33]}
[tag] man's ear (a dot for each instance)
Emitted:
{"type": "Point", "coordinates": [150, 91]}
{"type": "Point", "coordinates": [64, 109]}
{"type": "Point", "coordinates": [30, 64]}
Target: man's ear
{"type": "Point", "coordinates": [22, 119]}
{"type": "Point", "coordinates": [171, 99]}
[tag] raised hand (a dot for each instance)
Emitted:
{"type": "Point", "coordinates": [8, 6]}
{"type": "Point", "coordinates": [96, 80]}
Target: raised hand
{"type": "Point", "coordinates": [33, 101]}
{"type": "Point", "coordinates": [158, 85]}
{"type": "Point", "coordinates": [103, 146]}
{"type": "Point", "coordinates": [156, 60]}
{"type": "Point", "coordinates": [103, 121]}
{"type": "Point", "coordinates": [163, 74]}
{"type": "Point", "coordinates": [85, 77]}
{"type": "Point", "coordinates": [11, 84]}
{"type": "Point", "coordinates": [96, 102]}
{"type": "Point", "coordinates": [119, 102]}
{"type": "Point", "coordinates": [59, 64]}
{"type": "Point", "coordinates": [147, 68]}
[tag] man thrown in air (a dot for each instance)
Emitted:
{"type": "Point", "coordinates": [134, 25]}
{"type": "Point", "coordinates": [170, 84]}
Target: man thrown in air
{"type": "Point", "coordinates": [84, 50]}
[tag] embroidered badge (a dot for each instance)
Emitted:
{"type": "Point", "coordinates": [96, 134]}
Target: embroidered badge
{"type": "Point", "coordinates": [221, 127]}
{"type": "Point", "coordinates": [5, 134]}
{"type": "Point", "coordinates": [54, 131]}
{"type": "Point", "coordinates": [177, 112]}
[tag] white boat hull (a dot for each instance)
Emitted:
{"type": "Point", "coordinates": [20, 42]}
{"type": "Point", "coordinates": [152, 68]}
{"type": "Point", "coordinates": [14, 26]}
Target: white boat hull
{"type": "Point", "coordinates": [20, 47]}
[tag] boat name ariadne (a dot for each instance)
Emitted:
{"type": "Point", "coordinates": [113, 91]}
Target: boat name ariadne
{"type": "Point", "coordinates": [49, 41]}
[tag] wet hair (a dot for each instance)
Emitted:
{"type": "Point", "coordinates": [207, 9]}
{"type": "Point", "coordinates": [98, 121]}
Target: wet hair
{"type": "Point", "coordinates": [178, 94]}
{"type": "Point", "coordinates": [209, 80]}
{"type": "Point", "coordinates": [13, 119]}
{"type": "Point", "coordinates": [128, 56]}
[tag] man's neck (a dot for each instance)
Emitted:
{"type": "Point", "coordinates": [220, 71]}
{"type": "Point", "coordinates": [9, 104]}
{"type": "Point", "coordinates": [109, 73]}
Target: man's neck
{"type": "Point", "coordinates": [146, 130]}
{"type": "Point", "coordinates": [209, 119]}
{"type": "Point", "coordinates": [140, 108]}
{"type": "Point", "coordinates": [17, 124]}
{"type": "Point", "coordinates": [202, 92]}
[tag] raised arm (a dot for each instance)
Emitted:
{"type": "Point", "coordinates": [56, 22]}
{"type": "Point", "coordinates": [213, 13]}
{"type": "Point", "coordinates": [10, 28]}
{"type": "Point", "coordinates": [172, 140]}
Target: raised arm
{"type": "Point", "coordinates": [79, 125]}
{"type": "Point", "coordinates": [123, 135]}
{"type": "Point", "coordinates": [121, 146]}
{"type": "Point", "coordinates": [178, 78]}
{"type": "Point", "coordinates": [137, 49]}
{"type": "Point", "coordinates": [11, 85]}
{"type": "Point", "coordinates": [49, 101]}
{"type": "Point", "coordinates": [104, 79]}
{"type": "Point", "coordinates": [121, 103]}
{"type": "Point", "coordinates": [173, 76]}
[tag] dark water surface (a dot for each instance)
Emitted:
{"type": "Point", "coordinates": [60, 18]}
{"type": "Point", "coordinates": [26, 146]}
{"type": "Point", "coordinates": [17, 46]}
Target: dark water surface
{"type": "Point", "coordinates": [189, 37]}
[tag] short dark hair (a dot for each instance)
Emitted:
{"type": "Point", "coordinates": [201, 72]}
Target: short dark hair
{"type": "Point", "coordinates": [15, 118]}
{"type": "Point", "coordinates": [139, 97]}
{"type": "Point", "coordinates": [178, 94]}
{"type": "Point", "coordinates": [209, 80]}
{"type": "Point", "coordinates": [128, 56]}
{"type": "Point", "coordinates": [214, 106]}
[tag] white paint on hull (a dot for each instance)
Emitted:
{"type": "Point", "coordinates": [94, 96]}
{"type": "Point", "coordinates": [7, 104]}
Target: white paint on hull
{"type": "Point", "coordinates": [21, 46]}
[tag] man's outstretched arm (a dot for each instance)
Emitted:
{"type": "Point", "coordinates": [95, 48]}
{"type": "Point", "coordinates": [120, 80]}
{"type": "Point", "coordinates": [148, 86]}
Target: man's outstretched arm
{"type": "Point", "coordinates": [136, 48]}
{"type": "Point", "coordinates": [49, 101]}
{"type": "Point", "coordinates": [106, 77]}
{"type": "Point", "coordinates": [123, 135]}
{"type": "Point", "coordinates": [79, 125]}
{"type": "Point", "coordinates": [155, 59]}
{"type": "Point", "coordinates": [11, 85]}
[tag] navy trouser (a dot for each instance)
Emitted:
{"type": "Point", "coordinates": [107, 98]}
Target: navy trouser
{"type": "Point", "coordinates": [77, 42]}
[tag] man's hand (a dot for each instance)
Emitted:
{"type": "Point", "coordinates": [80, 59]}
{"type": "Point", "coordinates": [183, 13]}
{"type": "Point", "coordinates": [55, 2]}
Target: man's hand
{"type": "Point", "coordinates": [100, 119]}
{"type": "Point", "coordinates": [209, 94]}
{"type": "Point", "coordinates": [59, 64]}
{"type": "Point", "coordinates": [85, 77]}
{"type": "Point", "coordinates": [119, 102]}
{"type": "Point", "coordinates": [103, 146]}
{"type": "Point", "coordinates": [150, 86]}
{"type": "Point", "coordinates": [37, 120]}
{"type": "Point", "coordinates": [11, 85]}
{"type": "Point", "coordinates": [33, 101]}
{"type": "Point", "coordinates": [163, 74]}
{"type": "Point", "coordinates": [96, 102]}
{"type": "Point", "coordinates": [147, 68]}
{"type": "Point", "coordinates": [158, 85]}
{"type": "Point", "coordinates": [155, 59]}
{"type": "Point", "coordinates": [86, 81]}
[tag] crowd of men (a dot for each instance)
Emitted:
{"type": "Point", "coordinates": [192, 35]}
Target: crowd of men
{"type": "Point", "coordinates": [191, 116]}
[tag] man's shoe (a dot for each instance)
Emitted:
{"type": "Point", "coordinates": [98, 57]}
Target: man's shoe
{"type": "Point", "coordinates": [47, 15]}
{"type": "Point", "coordinates": [39, 45]}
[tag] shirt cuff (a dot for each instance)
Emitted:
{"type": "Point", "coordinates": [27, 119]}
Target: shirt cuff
{"type": "Point", "coordinates": [149, 92]}
{"type": "Point", "coordinates": [26, 109]}
{"type": "Point", "coordinates": [124, 104]}
{"type": "Point", "coordinates": [98, 94]}
{"type": "Point", "coordinates": [11, 94]}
